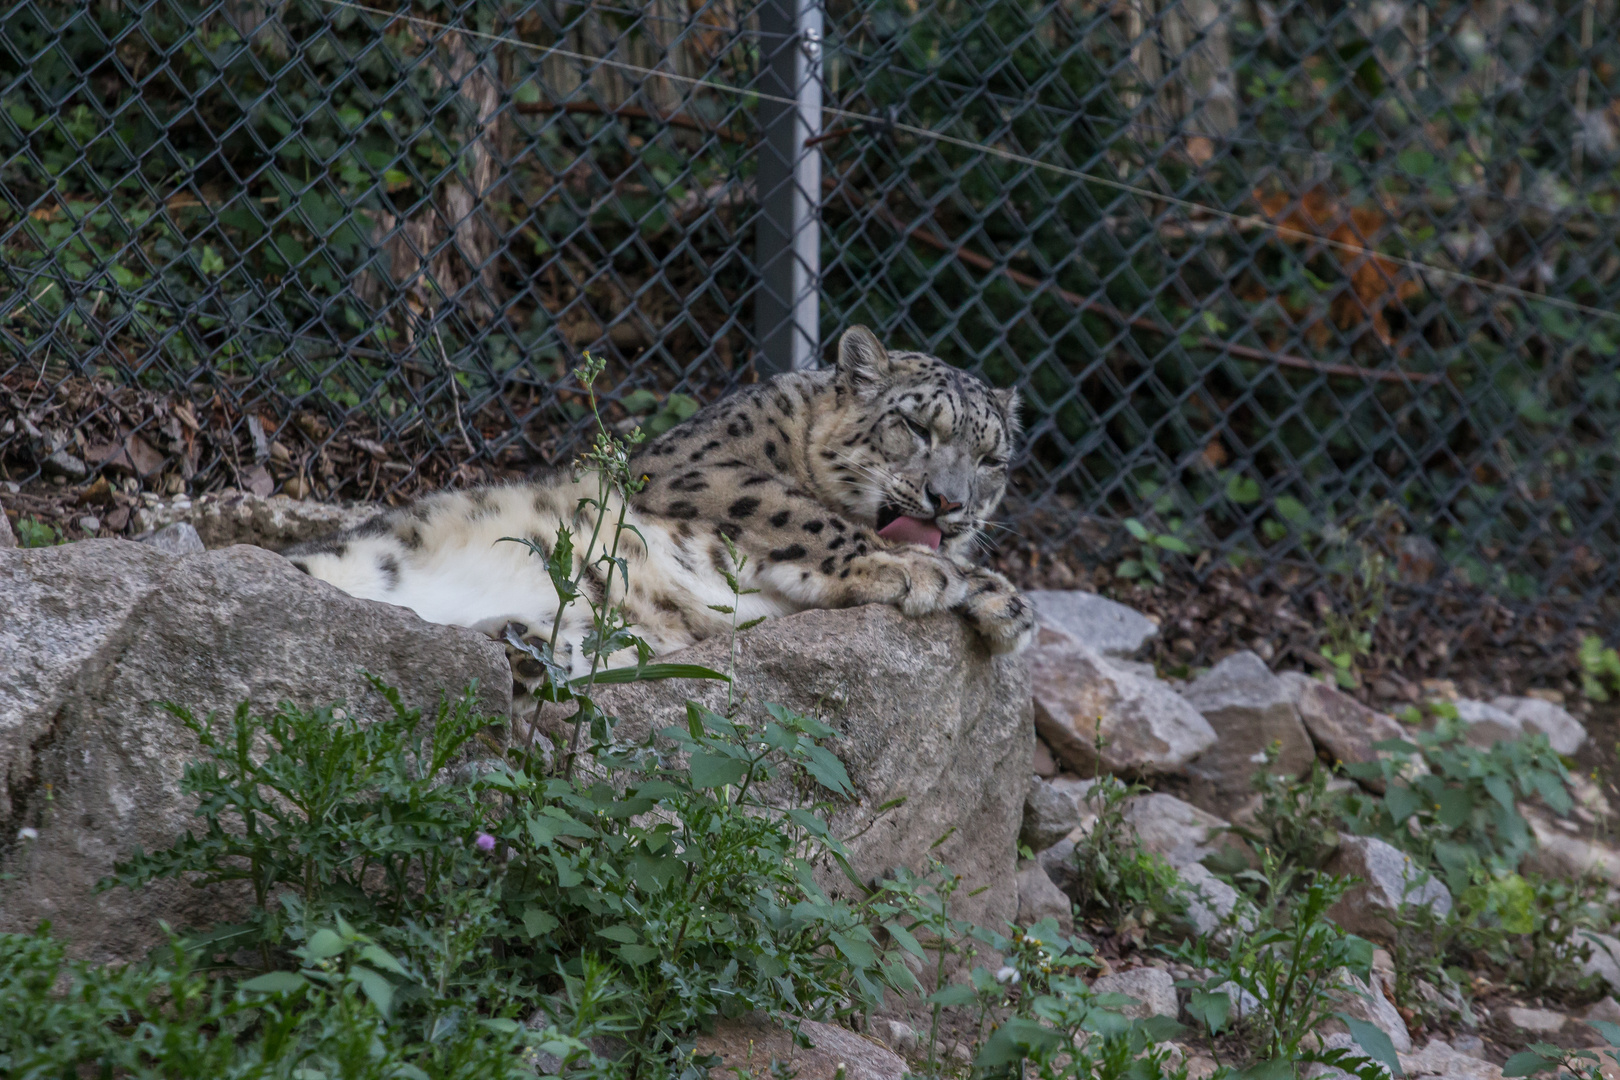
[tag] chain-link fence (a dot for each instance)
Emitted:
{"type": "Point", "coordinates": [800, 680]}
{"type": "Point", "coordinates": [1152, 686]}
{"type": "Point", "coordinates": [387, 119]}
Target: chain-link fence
{"type": "Point", "coordinates": [1310, 284]}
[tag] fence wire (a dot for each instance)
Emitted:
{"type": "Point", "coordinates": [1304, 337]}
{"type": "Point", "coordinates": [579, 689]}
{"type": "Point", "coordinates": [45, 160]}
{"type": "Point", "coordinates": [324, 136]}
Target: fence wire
{"type": "Point", "coordinates": [304, 247]}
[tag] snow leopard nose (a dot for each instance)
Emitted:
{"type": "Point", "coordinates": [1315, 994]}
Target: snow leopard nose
{"type": "Point", "coordinates": [942, 505]}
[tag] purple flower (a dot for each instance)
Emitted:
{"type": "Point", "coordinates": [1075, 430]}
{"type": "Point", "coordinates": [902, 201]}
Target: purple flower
{"type": "Point", "coordinates": [485, 842]}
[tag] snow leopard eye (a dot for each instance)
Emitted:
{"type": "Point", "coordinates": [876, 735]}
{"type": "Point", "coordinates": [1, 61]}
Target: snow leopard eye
{"type": "Point", "coordinates": [918, 429]}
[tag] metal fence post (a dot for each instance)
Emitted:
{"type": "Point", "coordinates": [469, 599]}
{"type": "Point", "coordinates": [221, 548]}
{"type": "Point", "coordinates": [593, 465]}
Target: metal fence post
{"type": "Point", "coordinates": [787, 234]}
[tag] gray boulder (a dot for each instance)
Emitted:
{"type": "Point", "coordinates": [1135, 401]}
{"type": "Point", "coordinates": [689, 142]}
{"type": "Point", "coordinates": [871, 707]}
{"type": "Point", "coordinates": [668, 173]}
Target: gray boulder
{"type": "Point", "coordinates": [960, 756]}
{"type": "Point", "coordinates": [1342, 727]}
{"type": "Point", "coordinates": [1565, 733]}
{"type": "Point", "coordinates": [1049, 816]}
{"type": "Point", "coordinates": [95, 635]}
{"type": "Point", "coordinates": [8, 539]}
{"type": "Point", "coordinates": [1388, 879]}
{"type": "Point", "coordinates": [749, 1045]}
{"type": "Point", "coordinates": [1040, 898]}
{"type": "Point", "coordinates": [1250, 709]}
{"type": "Point", "coordinates": [1145, 727]}
{"type": "Point", "coordinates": [275, 522]}
{"type": "Point", "coordinates": [1110, 629]}
{"type": "Point", "coordinates": [1604, 961]}
{"type": "Point", "coordinates": [1153, 988]}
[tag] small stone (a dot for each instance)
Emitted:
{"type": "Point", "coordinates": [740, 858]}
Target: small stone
{"type": "Point", "coordinates": [1153, 989]}
{"type": "Point", "coordinates": [1045, 765]}
{"type": "Point", "coordinates": [1487, 725]}
{"type": "Point", "coordinates": [1563, 731]}
{"type": "Point", "coordinates": [898, 1035]}
{"type": "Point", "coordinates": [64, 466]}
{"type": "Point", "coordinates": [1472, 1045]}
{"type": "Point", "coordinates": [1536, 1021]}
{"type": "Point", "coordinates": [1111, 629]}
{"type": "Point", "coordinates": [177, 539]}
{"type": "Point", "coordinates": [1389, 879]}
{"type": "Point", "coordinates": [1039, 898]}
{"type": "Point", "coordinates": [90, 526]}
{"type": "Point", "coordinates": [1049, 816]}
{"type": "Point", "coordinates": [296, 487]}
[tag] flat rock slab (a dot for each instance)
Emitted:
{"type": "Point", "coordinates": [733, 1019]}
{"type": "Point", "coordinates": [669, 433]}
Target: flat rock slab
{"type": "Point", "coordinates": [274, 523]}
{"type": "Point", "coordinates": [748, 1046]}
{"type": "Point", "coordinates": [1096, 622]}
{"type": "Point", "coordinates": [1081, 698]}
{"type": "Point", "coordinates": [95, 635]}
{"type": "Point", "coordinates": [925, 714]}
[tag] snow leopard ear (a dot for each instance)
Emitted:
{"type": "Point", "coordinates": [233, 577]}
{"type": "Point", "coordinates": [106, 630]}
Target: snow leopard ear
{"type": "Point", "coordinates": [863, 362]}
{"type": "Point", "coordinates": [1007, 399]}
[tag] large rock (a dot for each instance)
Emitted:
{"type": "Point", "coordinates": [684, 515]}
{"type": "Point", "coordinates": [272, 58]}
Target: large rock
{"type": "Point", "coordinates": [95, 634]}
{"type": "Point", "coordinates": [1486, 725]}
{"type": "Point", "coordinates": [925, 713]}
{"type": "Point", "coordinates": [1250, 710]}
{"type": "Point", "coordinates": [1107, 628]}
{"type": "Point", "coordinates": [276, 522]}
{"type": "Point", "coordinates": [1343, 728]}
{"type": "Point", "coordinates": [1388, 879]}
{"type": "Point", "coordinates": [1145, 727]}
{"type": "Point", "coordinates": [748, 1046]}
{"type": "Point", "coordinates": [1185, 835]}
{"type": "Point", "coordinates": [1565, 733]}
{"type": "Point", "coordinates": [1604, 961]}
{"type": "Point", "coordinates": [1360, 1001]}
{"type": "Point", "coordinates": [8, 539]}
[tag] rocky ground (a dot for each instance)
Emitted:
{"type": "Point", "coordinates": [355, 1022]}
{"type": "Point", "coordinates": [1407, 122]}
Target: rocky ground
{"type": "Point", "coordinates": [1009, 762]}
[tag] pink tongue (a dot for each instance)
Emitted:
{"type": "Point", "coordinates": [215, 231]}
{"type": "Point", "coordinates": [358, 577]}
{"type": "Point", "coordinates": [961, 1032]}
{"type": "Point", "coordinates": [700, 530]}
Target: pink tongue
{"type": "Point", "coordinates": [909, 530]}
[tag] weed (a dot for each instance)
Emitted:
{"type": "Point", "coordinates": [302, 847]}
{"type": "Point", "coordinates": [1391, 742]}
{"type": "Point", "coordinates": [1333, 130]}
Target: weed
{"type": "Point", "coordinates": [1600, 669]}
{"type": "Point", "coordinates": [1347, 632]}
{"type": "Point", "coordinates": [1146, 563]}
{"type": "Point", "coordinates": [1117, 881]}
{"type": "Point", "coordinates": [1297, 822]}
{"type": "Point", "coordinates": [1458, 813]}
{"type": "Point", "coordinates": [1564, 1064]}
{"type": "Point", "coordinates": [1280, 981]}
{"type": "Point", "coordinates": [37, 534]}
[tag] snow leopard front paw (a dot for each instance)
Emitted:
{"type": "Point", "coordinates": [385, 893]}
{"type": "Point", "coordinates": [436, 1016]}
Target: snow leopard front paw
{"type": "Point", "coordinates": [1001, 614]}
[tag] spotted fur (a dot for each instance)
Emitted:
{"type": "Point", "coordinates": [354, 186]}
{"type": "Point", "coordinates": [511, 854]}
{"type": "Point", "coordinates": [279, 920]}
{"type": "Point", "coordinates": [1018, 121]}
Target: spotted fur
{"type": "Point", "coordinates": [800, 472]}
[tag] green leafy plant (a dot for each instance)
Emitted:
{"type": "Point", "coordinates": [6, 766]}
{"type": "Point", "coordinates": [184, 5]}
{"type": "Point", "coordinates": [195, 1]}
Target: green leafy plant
{"type": "Point", "coordinates": [32, 533]}
{"type": "Point", "coordinates": [1544, 1058]}
{"type": "Point", "coordinates": [1297, 821]}
{"type": "Point", "coordinates": [1458, 814]}
{"type": "Point", "coordinates": [1600, 669]}
{"type": "Point", "coordinates": [1117, 881]}
{"type": "Point", "coordinates": [1145, 563]}
{"type": "Point", "coordinates": [1347, 629]}
{"type": "Point", "coordinates": [1279, 981]}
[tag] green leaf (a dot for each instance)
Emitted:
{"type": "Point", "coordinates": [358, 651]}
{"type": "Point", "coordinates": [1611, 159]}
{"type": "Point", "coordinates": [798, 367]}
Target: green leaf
{"type": "Point", "coordinates": [1609, 1031]}
{"type": "Point", "coordinates": [375, 987]}
{"type": "Point", "coordinates": [1402, 802]}
{"type": "Point", "coordinates": [1372, 1039]}
{"type": "Point", "coordinates": [906, 939]}
{"type": "Point", "coordinates": [620, 932]}
{"type": "Point", "coordinates": [637, 954]}
{"type": "Point", "coordinates": [275, 982]}
{"type": "Point", "coordinates": [538, 923]}
{"type": "Point", "coordinates": [651, 673]}
{"type": "Point", "coordinates": [953, 996]}
{"type": "Point", "coordinates": [1137, 529]}
{"type": "Point", "coordinates": [324, 945]}
{"type": "Point", "coordinates": [382, 958]}
{"type": "Point", "coordinates": [1280, 1068]}
{"type": "Point", "coordinates": [1242, 490]}
{"type": "Point", "coordinates": [1527, 1063]}
{"type": "Point", "coordinates": [712, 770]}
{"type": "Point", "coordinates": [824, 765]}
{"type": "Point", "coordinates": [855, 951]}
{"type": "Point", "coordinates": [1210, 1008]}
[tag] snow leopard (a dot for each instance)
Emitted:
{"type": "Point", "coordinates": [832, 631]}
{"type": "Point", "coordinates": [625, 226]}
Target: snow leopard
{"type": "Point", "coordinates": [869, 482]}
